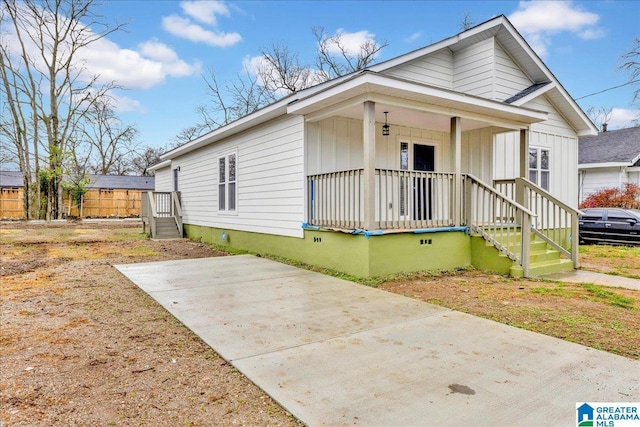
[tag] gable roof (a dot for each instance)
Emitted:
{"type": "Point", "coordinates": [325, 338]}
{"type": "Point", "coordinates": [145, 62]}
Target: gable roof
{"type": "Point", "coordinates": [498, 27]}
{"type": "Point", "coordinates": [12, 179]}
{"type": "Point", "coordinates": [520, 51]}
{"type": "Point", "coordinates": [612, 148]}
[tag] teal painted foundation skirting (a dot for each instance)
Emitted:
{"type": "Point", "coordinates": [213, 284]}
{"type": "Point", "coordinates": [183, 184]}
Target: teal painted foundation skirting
{"type": "Point", "coordinates": [357, 255]}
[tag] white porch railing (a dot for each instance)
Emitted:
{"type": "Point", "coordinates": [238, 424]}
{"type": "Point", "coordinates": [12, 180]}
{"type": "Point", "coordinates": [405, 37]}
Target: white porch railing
{"type": "Point", "coordinates": [403, 199]}
{"type": "Point", "coordinates": [556, 222]}
{"type": "Point", "coordinates": [500, 220]}
{"type": "Point", "coordinates": [156, 204]}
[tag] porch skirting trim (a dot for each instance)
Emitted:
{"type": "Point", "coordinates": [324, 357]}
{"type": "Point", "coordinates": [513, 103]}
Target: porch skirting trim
{"type": "Point", "coordinates": [369, 233]}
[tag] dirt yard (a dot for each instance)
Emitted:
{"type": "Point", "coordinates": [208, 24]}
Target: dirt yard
{"type": "Point", "coordinates": [81, 345]}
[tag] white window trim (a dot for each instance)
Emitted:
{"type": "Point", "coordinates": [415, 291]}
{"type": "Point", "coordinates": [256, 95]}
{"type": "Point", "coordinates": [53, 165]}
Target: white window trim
{"type": "Point", "coordinates": [226, 155]}
{"type": "Point", "coordinates": [539, 157]}
{"type": "Point", "coordinates": [420, 141]}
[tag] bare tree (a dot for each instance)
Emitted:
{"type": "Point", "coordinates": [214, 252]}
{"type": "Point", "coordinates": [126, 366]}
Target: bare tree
{"type": "Point", "coordinates": [632, 65]}
{"type": "Point", "coordinates": [112, 144]}
{"type": "Point", "coordinates": [228, 102]}
{"type": "Point", "coordinates": [467, 23]}
{"type": "Point", "coordinates": [279, 73]}
{"type": "Point", "coordinates": [334, 58]}
{"type": "Point", "coordinates": [600, 117]}
{"type": "Point", "coordinates": [282, 73]}
{"type": "Point", "coordinates": [47, 87]}
{"type": "Point", "coordinates": [146, 158]}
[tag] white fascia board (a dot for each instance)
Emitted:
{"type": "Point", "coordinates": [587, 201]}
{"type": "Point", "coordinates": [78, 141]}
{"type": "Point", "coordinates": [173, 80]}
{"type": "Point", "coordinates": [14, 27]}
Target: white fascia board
{"type": "Point", "coordinates": [160, 165]}
{"type": "Point", "coordinates": [591, 129]}
{"type": "Point", "coordinates": [368, 82]}
{"type": "Point", "coordinates": [604, 165]}
{"type": "Point", "coordinates": [533, 95]}
{"type": "Point", "coordinates": [265, 114]}
{"type": "Point", "coordinates": [407, 57]}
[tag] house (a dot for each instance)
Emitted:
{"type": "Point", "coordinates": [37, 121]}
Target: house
{"type": "Point", "coordinates": [460, 153]}
{"type": "Point", "coordinates": [106, 196]}
{"type": "Point", "coordinates": [608, 160]}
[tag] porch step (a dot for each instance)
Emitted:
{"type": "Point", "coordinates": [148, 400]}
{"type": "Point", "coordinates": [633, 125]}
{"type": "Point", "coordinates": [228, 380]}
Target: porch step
{"type": "Point", "coordinates": [166, 228]}
{"type": "Point", "coordinates": [543, 259]}
{"type": "Point", "coordinates": [538, 269]}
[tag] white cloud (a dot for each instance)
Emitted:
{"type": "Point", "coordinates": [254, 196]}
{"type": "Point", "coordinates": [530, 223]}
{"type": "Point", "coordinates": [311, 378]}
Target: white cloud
{"type": "Point", "coordinates": [539, 20]}
{"type": "Point", "coordinates": [144, 67]}
{"type": "Point", "coordinates": [351, 42]}
{"type": "Point", "coordinates": [622, 118]}
{"type": "Point", "coordinates": [171, 64]}
{"type": "Point", "coordinates": [135, 69]}
{"type": "Point", "coordinates": [184, 28]}
{"type": "Point", "coordinates": [124, 104]}
{"type": "Point", "coordinates": [205, 11]}
{"type": "Point", "coordinates": [413, 37]}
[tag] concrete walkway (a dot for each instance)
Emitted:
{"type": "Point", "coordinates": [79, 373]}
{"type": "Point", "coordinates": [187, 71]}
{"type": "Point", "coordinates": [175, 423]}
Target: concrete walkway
{"type": "Point", "coordinates": [583, 276]}
{"type": "Point", "coordinates": [335, 353]}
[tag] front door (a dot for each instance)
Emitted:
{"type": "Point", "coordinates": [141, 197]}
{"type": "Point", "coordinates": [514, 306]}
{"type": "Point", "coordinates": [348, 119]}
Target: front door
{"type": "Point", "coordinates": [423, 161]}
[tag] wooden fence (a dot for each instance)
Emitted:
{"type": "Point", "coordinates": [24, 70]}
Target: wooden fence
{"type": "Point", "coordinates": [96, 203]}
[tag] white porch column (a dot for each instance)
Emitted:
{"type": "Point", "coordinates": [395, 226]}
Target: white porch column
{"type": "Point", "coordinates": [456, 152]}
{"type": "Point", "coordinates": [524, 166]}
{"type": "Point", "coordinates": [369, 144]}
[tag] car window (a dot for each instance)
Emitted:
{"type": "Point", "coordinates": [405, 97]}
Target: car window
{"type": "Point", "coordinates": [592, 214]}
{"type": "Point", "coordinates": [620, 215]}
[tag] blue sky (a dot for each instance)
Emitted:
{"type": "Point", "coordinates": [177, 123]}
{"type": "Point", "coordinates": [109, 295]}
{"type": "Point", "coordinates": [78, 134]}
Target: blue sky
{"type": "Point", "coordinates": [168, 45]}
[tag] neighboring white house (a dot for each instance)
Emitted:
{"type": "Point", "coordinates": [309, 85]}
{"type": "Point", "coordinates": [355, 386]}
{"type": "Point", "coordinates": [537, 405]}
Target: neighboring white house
{"type": "Point", "coordinates": [393, 168]}
{"type": "Point", "coordinates": [609, 160]}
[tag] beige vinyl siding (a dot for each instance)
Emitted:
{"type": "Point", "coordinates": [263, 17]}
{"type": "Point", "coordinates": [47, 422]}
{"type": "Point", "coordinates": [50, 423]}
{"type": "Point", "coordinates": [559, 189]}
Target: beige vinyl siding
{"type": "Point", "coordinates": [477, 155]}
{"type": "Point", "coordinates": [335, 144]}
{"type": "Point", "coordinates": [510, 79]}
{"type": "Point", "coordinates": [164, 179]}
{"type": "Point", "coordinates": [474, 69]}
{"type": "Point", "coordinates": [555, 123]}
{"type": "Point", "coordinates": [434, 69]}
{"type": "Point", "coordinates": [270, 180]}
{"type": "Point", "coordinates": [563, 156]}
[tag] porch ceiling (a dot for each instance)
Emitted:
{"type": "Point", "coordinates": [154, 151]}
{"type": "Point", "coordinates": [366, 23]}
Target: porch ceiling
{"type": "Point", "coordinates": [412, 104]}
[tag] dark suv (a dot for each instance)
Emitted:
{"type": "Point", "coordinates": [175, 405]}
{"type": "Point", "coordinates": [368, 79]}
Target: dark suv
{"type": "Point", "coordinates": [612, 226]}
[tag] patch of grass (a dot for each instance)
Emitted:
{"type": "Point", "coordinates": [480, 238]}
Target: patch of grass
{"type": "Point", "coordinates": [229, 250]}
{"type": "Point", "coordinates": [608, 296]}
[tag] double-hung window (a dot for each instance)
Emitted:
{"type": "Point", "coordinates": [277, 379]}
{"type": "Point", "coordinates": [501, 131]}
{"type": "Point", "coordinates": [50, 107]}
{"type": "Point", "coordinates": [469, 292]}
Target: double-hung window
{"type": "Point", "coordinates": [227, 180]}
{"type": "Point", "coordinates": [539, 166]}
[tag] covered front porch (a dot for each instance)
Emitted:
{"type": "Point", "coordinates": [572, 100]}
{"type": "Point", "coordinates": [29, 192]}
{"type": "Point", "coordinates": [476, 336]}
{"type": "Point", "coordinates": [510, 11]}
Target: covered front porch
{"type": "Point", "coordinates": [398, 157]}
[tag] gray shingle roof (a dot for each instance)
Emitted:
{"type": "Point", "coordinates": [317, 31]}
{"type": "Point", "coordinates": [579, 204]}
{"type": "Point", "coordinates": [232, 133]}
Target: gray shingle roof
{"type": "Point", "coordinates": [11, 179]}
{"type": "Point", "coordinates": [534, 87]}
{"type": "Point", "coordinates": [121, 182]}
{"type": "Point", "coordinates": [614, 146]}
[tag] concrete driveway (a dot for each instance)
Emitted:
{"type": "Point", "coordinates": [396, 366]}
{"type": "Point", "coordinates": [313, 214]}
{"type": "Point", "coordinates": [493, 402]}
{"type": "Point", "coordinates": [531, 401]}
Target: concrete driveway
{"type": "Point", "coordinates": [333, 352]}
